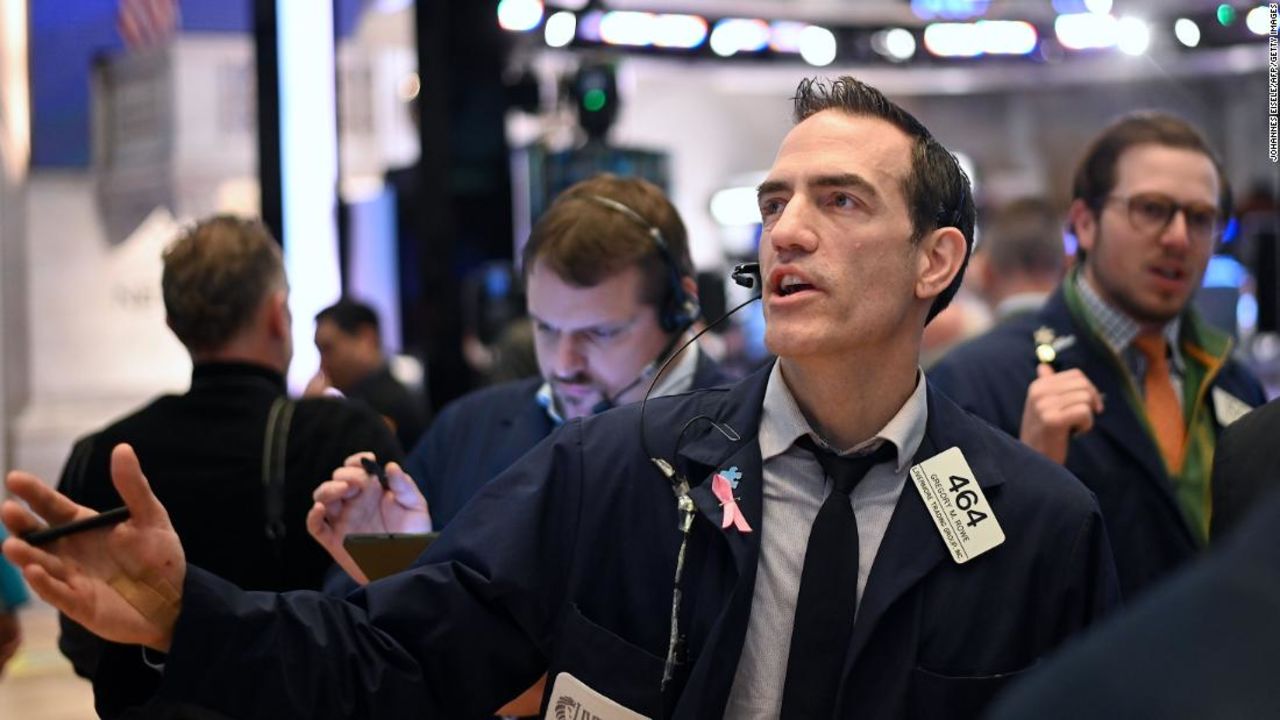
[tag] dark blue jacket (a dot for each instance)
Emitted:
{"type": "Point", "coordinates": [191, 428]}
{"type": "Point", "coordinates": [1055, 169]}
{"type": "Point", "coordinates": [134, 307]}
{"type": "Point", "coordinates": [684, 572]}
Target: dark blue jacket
{"type": "Point", "coordinates": [483, 433]}
{"type": "Point", "coordinates": [1206, 644]}
{"type": "Point", "coordinates": [1118, 459]}
{"type": "Point", "coordinates": [566, 560]}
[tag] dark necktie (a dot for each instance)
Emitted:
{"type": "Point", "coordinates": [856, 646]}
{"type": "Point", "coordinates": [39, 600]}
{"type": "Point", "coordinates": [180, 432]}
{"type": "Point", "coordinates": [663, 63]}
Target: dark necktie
{"type": "Point", "coordinates": [828, 596]}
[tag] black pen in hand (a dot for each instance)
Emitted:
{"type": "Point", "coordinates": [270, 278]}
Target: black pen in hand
{"type": "Point", "coordinates": [376, 470]}
{"type": "Point", "coordinates": [101, 520]}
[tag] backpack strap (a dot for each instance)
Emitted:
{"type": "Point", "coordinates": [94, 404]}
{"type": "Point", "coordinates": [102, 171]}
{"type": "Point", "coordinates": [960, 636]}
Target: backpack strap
{"type": "Point", "coordinates": [273, 460]}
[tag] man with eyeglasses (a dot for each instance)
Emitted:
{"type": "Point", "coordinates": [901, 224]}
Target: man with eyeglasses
{"type": "Point", "coordinates": [1117, 377]}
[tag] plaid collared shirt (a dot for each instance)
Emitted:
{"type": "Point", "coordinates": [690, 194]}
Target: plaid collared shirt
{"type": "Point", "coordinates": [1118, 331]}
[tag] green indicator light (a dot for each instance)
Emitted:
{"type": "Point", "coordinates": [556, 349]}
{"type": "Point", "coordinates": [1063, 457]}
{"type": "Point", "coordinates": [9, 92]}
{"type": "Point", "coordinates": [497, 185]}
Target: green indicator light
{"type": "Point", "coordinates": [1226, 14]}
{"type": "Point", "coordinates": [593, 100]}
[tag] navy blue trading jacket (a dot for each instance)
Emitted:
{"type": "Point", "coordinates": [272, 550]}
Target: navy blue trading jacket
{"type": "Point", "coordinates": [566, 560]}
{"type": "Point", "coordinates": [482, 433]}
{"type": "Point", "coordinates": [1117, 459]}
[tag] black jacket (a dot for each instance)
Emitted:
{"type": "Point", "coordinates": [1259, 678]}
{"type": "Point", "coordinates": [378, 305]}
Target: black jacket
{"type": "Point", "coordinates": [202, 453]}
{"type": "Point", "coordinates": [382, 392]}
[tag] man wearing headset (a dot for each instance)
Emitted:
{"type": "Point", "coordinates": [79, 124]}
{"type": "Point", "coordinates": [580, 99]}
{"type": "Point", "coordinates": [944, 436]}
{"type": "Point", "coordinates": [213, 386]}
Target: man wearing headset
{"type": "Point", "coordinates": [697, 556]}
{"type": "Point", "coordinates": [611, 295]}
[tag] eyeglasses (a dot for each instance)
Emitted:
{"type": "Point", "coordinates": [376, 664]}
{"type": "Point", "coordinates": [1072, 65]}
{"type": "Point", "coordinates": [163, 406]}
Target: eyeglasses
{"type": "Point", "coordinates": [1151, 213]}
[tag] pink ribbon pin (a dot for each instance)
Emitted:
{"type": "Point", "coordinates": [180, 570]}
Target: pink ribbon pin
{"type": "Point", "coordinates": [732, 514]}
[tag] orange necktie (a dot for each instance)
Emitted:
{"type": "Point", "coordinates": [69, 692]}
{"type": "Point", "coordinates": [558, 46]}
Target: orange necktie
{"type": "Point", "coordinates": [1163, 412]}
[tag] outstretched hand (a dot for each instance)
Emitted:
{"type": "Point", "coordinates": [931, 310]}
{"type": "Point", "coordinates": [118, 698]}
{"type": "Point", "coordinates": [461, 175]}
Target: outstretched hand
{"type": "Point", "coordinates": [353, 502]}
{"type": "Point", "coordinates": [123, 583]}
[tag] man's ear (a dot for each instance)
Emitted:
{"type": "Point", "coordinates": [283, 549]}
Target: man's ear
{"type": "Point", "coordinates": [940, 256]}
{"type": "Point", "coordinates": [279, 322]}
{"type": "Point", "coordinates": [1084, 223]}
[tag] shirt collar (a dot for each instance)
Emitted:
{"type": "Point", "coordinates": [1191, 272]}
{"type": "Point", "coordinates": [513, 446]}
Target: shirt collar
{"type": "Point", "coordinates": [677, 379]}
{"type": "Point", "coordinates": [782, 423]}
{"type": "Point", "coordinates": [1117, 329]}
{"type": "Point", "coordinates": [1019, 303]}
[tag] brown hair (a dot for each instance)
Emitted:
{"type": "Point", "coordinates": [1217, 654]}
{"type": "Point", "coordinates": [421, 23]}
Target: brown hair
{"type": "Point", "coordinates": [216, 274]}
{"type": "Point", "coordinates": [1095, 176]}
{"type": "Point", "coordinates": [585, 241]}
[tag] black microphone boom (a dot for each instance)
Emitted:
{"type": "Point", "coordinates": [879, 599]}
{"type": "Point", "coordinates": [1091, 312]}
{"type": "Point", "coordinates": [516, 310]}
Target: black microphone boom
{"type": "Point", "coordinates": [746, 275]}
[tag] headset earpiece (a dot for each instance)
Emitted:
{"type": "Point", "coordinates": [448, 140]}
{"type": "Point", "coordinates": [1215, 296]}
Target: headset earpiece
{"type": "Point", "coordinates": [679, 309]}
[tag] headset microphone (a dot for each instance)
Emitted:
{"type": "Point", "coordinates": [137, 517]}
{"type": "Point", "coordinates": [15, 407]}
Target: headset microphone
{"type": "Point", "coordinates": [748, 276]}
{"type": "Point", "coordinates": [744, 274]}
{"type": "Point", "coordinates": [608, 402]}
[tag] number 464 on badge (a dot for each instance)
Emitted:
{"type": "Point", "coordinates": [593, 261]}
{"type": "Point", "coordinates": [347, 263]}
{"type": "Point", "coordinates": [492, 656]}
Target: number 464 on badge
{"type": "Point", "coordinates": [955, 502]}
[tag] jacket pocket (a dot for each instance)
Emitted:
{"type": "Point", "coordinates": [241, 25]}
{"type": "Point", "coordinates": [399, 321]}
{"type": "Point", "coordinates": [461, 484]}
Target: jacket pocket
{"type": "Point", "coordinates": [604, 662]}
{"type": "Point", "coordinates": [934, 695]}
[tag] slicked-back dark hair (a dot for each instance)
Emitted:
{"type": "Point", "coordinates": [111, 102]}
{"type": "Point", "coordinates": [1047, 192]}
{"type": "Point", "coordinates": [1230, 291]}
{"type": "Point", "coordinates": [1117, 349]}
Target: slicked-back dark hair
{"type": "Point", "coordinates": [1095, 176]}
{"type": "Point", "coordinates": [350, 315]}
{"type": "Point", "coordinates": [216, 274]}
{"type": "Point", "coordinates": [936, 188]}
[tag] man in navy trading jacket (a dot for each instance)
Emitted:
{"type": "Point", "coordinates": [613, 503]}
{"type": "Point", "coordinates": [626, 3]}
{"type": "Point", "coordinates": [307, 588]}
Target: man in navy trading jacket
{"type": "Point", "coordinates": [611, 293]}
{"type": "Point", "coordinates": [1117, 377]}
{"type": "Point", "coordinates": [965, 555]}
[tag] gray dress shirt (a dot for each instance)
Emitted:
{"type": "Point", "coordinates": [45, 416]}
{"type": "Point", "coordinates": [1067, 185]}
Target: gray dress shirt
{"type": "Point", "coordinates": [794, 490]}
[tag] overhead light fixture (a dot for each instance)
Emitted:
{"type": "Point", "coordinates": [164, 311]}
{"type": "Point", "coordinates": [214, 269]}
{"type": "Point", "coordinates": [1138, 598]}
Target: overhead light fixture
{"type": "Point", "coordinates": [642, 29]}
{"type": "Point", "coordinates": [1133, 36]}
{"type": "Point", "coordinates": [984, 37]}
{"type": "Point", "coordinates": [1007, 37]}
{"type": "Point", "coordinates": [896, 44]}
{"type": "Point", "coordinates": [734, 35]}
{"type": "Point", "coordinates": [818, 46]}
{"type": "Point", "coordinates": [627, 28]}
{"type": "Point", "coordinates": [784, 36]}
{"type": "Point", "coordinates": [949, 9]}
{"type": "Point", "coordinates": [589, 26]}
{"type": "Point", "coordinates": [952, 40]}
{"type": "Point", "coordinates": [679, 31]}
{"type": "Point", "coordinates": [1085, 31]}
{"type": "Point", "coordinates": [1259, 20]}
{"type": "Point", "coordinates": [1187, 32]}
{"type": "Point", "coordinates": [560, 29]}
{"type": "Point", "coordinates": [519, 15]}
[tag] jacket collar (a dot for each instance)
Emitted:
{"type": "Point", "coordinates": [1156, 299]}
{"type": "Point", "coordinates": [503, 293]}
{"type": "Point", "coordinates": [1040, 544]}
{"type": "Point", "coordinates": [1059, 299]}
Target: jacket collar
{"type": "Point", "coordinates": [1119, 420]}
{"type": "Point", "coordinates": [217, 375]}
{"type": "Point", "coordinates": [912, 547]}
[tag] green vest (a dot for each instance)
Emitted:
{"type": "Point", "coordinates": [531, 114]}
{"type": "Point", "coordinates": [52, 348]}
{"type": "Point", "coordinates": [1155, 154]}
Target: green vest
{"type": "Point", "coordinates": [1205, 351]}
